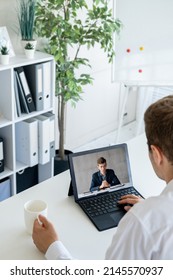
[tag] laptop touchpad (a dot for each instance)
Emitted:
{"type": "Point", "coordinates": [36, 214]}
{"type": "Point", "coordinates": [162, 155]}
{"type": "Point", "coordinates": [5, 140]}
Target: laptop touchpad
{"type": "Point", "coordinates": [108, 220]}
{"type": "Point", "coordinates": [117, 216]}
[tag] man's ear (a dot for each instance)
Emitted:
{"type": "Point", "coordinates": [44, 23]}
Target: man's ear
{"type": "Point", "coordinates": [156, 154]}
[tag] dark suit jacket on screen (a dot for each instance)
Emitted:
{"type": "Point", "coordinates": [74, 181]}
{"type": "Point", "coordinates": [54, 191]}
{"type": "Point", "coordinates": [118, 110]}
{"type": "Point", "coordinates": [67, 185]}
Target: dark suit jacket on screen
{"type": "Point", "coordinates": [97, 179]}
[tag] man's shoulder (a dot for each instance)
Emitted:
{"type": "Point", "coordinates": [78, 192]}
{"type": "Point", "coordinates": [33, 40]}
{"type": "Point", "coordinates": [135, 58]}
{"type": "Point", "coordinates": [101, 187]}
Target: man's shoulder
{"type": "Point", "coordinates": [95, 174]}
{"type": "Point", "coordinates": [110, 171]}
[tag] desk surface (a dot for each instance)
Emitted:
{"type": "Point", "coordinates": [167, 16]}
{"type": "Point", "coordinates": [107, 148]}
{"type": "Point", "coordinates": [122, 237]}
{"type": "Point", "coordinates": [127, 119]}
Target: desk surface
{"type": "Point", "coordinates": [75, 230]}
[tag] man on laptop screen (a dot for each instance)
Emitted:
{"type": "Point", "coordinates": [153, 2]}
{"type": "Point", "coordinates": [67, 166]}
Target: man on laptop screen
{"type": "Point", "coordinates": [104, 178]}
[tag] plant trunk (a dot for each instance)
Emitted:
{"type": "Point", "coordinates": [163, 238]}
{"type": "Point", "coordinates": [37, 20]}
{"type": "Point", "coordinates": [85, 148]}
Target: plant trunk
{"type": "Point", "coordinates": [61, 124]}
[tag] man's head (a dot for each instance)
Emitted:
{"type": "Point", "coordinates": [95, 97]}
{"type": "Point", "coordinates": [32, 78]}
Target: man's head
{"type": "Point", "coordinates": [158, 120]}
{"type": "Point", "coordinates": [101, 164]}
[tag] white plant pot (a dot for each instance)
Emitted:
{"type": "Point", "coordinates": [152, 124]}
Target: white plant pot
{"type": "Point", "coordinates": [5, 59]}
{"type": "Point", "coordinates": [29, 53]}
{"type": "Point", "coordinates": [33, 42]}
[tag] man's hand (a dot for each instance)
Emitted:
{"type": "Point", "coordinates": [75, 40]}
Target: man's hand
{"type": "Point", "coordinates": [44, 234]}
{"type": "Point", "coordinates": [104, 184]}
{"type": "Point", "coordinates": [129, 199]}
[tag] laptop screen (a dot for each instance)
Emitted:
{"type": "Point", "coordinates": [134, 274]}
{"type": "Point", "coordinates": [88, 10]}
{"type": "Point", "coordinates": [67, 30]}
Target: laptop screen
{"type": "Point", "coordinates": [83, 166]}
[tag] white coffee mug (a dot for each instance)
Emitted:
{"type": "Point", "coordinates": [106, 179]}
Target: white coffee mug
{"type": "Point", "coordinates": [32, 209]}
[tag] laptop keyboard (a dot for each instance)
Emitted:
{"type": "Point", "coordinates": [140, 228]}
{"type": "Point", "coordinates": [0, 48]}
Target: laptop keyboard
{"type": "Point", "coordinates": [106, 203]}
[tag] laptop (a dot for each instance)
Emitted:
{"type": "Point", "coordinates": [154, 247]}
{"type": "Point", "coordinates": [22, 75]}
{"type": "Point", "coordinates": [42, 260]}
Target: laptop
{"type": "Point", "coordinates": [101, 206]}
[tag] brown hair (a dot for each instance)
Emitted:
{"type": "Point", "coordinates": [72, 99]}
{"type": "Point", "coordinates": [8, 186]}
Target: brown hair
{"type": "Point", "coordinates": [101, 160]}
{"type": "Point", "coordinates": [158, 120]}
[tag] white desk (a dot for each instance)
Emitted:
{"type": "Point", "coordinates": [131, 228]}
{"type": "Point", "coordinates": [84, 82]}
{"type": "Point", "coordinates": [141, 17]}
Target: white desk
{"type": "Point", "coordinates": [74, 228]}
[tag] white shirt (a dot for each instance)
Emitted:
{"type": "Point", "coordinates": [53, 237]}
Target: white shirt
{"type": "Point", "coordinates": [57, 251]}
{"type": "Point", "coordinates": [145, 232]}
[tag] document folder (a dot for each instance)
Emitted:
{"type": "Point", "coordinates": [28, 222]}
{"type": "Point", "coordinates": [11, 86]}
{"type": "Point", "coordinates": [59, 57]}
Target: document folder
{"type": "Point", "coordinates": [1, 155]}
{"type": "Point", "coordinates": [51, 117]}
{"type": "Point", "coordinates": [26, 89]}
{"type": "Point", "coordinates": [46, 84]}
{"type": "Point", "coordinates": [27, 142]}
{"type": "Point", "coordinates": [34, 74]}
{"type": "Point", "coordinates": [39, 79]}
{"type": "Point", "coordinates": [22, 100]}
{"type": "Point", "coordinates": [5, 189]}
{"type": "Point", "coordinates": [17, 100]}
{"type": "Point", "coordinates": [43, 139]}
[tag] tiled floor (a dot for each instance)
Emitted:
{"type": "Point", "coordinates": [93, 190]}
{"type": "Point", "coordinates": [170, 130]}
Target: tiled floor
{"type": "Point", "coordinates": [127, 132]}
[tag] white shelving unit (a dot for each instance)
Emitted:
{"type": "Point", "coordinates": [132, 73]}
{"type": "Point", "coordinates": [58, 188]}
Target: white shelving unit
{"type": "Point", "coordinates": [9, 119]}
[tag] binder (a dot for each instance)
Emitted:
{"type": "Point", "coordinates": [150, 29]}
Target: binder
{"type": "Point", "coordinates": [5, 189]}
{"type": "Point", "coordinates": [46, 84]}
{"type": "Point", "coordinates": [23, 104]}
{"type": "Point", "coordinates": [26, 90]}
{"type": "Point", "coordinates": [27, 142]}
{"type": "Point", "coordinates": [1, 155]}
{"type": "Point", "coordinates": [51, 117]}
{"type": "Point", "coordinates": [18, 108]}
{"type": "Point", "coordinates": [39, 79]}
{"type": "Point", "coordinates": [34, 74]}
{"type": "Point", "coordinates": [43, 139]}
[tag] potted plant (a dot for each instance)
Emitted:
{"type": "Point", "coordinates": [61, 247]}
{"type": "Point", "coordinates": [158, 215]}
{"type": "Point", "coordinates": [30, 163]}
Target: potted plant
{"type": "Point", "coordinates": [29, 50]}
{"type": "Point", "coordinates": [26, 18]}
{"type": "Point", "coordinates": [60, 22]}
{"type": "Point", "coordinates": [4, 55]}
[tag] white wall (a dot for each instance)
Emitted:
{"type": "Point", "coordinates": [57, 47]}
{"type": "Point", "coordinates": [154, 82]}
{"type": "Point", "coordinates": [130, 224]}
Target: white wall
{"type": "Point", "coordinates": [8, 18]}
{"type": "Point", "coordinates": [149, 24]}
{"type": "Point", "coordinates": [96, 115]}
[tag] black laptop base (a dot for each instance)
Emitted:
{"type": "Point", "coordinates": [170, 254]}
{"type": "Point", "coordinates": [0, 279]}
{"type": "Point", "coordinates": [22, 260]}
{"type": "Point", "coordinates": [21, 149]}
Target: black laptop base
{"type": "Point", "coordinates": [103, 210]}
{"type": "Point", "coordinates": [107, 221]}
